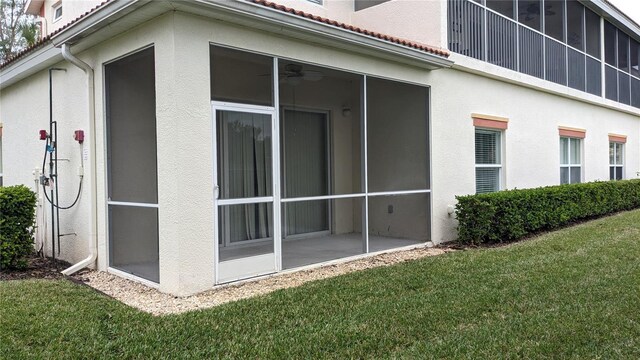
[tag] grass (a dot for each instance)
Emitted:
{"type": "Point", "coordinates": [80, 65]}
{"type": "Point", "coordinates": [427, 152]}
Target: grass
{"type": "Point", "coordinates": [574, 293]}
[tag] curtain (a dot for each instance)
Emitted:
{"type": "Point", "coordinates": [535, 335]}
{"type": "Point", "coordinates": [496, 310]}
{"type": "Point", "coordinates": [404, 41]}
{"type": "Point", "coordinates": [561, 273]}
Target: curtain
{"type": "Point", "coordinates": [245, 170]}
{"type": "Point", "coordinates": [305, 171]}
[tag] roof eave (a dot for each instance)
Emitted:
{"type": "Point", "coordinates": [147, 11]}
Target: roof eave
{"type": "Point", "coordinates": [614, 15]}
{"type": "Point", "coordinates": [32, 7]}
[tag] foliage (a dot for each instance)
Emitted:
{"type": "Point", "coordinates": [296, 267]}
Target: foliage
{"type": "Point", "coordinates": [509, 215]}
{"type": "Point", "coordinates": [567, 294]}
{"type": "Point", "coordinates": [17, 224]}
{"type": "Point", "coordinates": [17, 28]}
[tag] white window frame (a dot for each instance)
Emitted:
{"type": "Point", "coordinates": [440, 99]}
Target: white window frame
{"type": "Point", "coordinates": [55, 8]}
{"type": "Point", "coordinates": [570, 165]}
{"type": "Point", "coordinates": [617, 146]}
{"type": "Point", "coordinates": [500, 156]}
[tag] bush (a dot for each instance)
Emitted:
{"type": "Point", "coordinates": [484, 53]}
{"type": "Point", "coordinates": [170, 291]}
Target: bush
{"type": "Point", "coordinates": [506, 216]}
{"type": "Point", "coordinates": [17, 225]}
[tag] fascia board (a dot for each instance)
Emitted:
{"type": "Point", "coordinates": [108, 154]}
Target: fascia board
{"type": "Point", "coordinates": [614, 15]}
{"type": "Point", "coordinates": [40, 59]}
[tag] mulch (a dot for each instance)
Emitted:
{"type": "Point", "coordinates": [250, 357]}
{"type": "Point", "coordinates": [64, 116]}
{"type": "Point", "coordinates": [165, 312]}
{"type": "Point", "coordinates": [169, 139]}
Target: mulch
{"type": "Point", "coordinates": [37, 268]}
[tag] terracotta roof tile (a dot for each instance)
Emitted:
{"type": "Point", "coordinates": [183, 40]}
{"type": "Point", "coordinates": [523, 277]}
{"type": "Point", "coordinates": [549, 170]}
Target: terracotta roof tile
{"type": "Point", "coordinates": [404, 42]}
{"type": "Point", "coordinates": [45, 40]}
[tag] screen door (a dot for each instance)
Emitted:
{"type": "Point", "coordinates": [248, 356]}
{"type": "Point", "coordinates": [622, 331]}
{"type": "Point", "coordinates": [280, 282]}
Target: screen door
{"type": "Point", "coordinates": [244, 191]}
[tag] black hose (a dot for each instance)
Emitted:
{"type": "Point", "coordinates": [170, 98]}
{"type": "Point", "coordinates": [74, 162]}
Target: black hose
{"type": "Point", "coordinates": [65, 207]}
{"type": "Point", "coordinates": [44, 190]}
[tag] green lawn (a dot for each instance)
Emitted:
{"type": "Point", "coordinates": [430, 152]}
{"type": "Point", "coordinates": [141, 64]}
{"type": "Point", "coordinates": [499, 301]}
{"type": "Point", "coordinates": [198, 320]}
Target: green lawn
{"type": "Point", "coordinates": [574, 293]}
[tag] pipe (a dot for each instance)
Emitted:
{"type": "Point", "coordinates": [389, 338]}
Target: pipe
{"type": "Point", "coordinates": [53, 224]}
{"type": "Point", "coordinates": [93, 249]}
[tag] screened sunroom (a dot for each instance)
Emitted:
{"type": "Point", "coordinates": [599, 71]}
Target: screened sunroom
{"type": "Point", "coordinates": [313, 164]}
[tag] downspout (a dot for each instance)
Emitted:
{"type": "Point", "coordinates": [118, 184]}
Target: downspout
{"type": "Point", "coordinates": [93, 249]}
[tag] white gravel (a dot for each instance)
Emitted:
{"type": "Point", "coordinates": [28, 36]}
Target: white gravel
{"type": "Point", "coordinates": [155, 302]}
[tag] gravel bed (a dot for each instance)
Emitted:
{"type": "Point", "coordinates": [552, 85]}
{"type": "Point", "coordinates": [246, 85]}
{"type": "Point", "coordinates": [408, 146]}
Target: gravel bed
{"type": "Point", "coordinates": [155, 302]}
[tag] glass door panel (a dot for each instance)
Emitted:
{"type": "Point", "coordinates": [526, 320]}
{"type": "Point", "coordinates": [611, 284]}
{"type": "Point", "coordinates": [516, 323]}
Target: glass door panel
{"type": "Point", "coordinates": [244, 192]}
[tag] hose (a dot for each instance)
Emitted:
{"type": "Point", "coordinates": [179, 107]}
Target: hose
{"type": "Point", "coordinates": [44, 190]}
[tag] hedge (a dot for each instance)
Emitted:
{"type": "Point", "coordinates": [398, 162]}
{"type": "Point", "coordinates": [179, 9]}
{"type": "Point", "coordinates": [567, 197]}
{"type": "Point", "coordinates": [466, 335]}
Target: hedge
{"type": "Point", "coordinates": [17, 225]}
{"type": "Point", "coordinates": [509, 215]}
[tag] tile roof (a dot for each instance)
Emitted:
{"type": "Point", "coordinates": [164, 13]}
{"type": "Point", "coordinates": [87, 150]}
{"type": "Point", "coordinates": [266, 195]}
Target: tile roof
{"type": "Point", "coordinates": [46, 39]}
{"type": "Point", "coordinates": [426, 48]}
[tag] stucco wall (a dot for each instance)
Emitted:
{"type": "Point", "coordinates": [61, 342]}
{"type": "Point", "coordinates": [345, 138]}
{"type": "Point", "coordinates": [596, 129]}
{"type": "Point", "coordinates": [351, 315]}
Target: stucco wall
{"type": "Point", "coordinates": [531, 154]}
{"type": "Point", "coordinates": [24, 110]}
{"type": "Point", "coordinates": [415, 20]}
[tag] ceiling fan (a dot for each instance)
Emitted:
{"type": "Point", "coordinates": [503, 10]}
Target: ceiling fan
{"type": "Point", "coordinates": [294, 74]}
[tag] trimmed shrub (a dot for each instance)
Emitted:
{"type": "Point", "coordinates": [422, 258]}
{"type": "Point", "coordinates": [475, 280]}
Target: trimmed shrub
{"type": "Point", "coordinates": [509, 215]}
{"type": "Point", "coordinates": [17, 225]}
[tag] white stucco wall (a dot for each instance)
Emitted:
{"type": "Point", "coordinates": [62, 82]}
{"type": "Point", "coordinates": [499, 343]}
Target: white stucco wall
{"type": "Point", "coordinates": [415, 20]}
{"type": "Point", "coordinates": [24, 110]}
{"type": "Point", "coordinates": [532, 150]}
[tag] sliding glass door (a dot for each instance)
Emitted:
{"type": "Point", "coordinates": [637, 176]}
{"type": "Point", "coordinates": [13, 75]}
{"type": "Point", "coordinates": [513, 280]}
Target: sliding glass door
{"type": "Point", "coordinates": [244, 191]}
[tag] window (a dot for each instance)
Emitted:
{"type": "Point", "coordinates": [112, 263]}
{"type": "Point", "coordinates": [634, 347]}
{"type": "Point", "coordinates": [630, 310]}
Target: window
{"type": "Point", "coordinates": [592, 27]}
{"type": "Point", "coordinates": [570, 160]}
{"type": "Point", "coordinates": [529, 13]}
{"type": "Point", "coordinates": [610, 40]}
{"type": "Point", "coordinates": [575, 24]}
{"type": "Point", "coordinates": [554, 19]}
{"type": "Point", "coordinates": [623, 51]}
{"type": "Point", "coordinates": [488, 160]}
{"type": "Point", "coordinates": [502, 7]}
{"type": "Point", "coordinates": [57, 11]}
{"type": "Point", "coordinates": [635, 56]}
{"type": "Point", "coordinates": [364, 4]}
{"type": "Point", "coordinates": [616, 161]}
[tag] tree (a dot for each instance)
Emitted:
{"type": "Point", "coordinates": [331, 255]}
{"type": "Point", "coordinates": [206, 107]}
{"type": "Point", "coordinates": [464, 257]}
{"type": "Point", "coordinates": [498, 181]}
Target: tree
{"type": "Point", "coordinates": [17, 28]}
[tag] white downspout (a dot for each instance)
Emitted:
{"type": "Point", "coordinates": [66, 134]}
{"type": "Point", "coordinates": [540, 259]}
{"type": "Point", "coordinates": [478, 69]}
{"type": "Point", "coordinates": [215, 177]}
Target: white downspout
{"type": "Point", "coordinates": [93, 249]}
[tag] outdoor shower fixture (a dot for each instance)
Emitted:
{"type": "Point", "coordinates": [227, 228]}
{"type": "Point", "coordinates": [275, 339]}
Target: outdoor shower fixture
{"type": "Point", "coordinates": [51, 149]}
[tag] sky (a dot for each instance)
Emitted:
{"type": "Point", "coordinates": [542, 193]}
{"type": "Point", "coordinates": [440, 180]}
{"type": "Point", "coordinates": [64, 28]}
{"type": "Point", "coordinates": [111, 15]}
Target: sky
{"type": "Point", "coordinates": [629, 7]}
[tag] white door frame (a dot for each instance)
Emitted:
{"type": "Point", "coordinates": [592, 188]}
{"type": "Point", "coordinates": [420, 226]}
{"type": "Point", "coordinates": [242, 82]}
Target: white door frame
{"type": "Point", "coordinates": [273, 199]}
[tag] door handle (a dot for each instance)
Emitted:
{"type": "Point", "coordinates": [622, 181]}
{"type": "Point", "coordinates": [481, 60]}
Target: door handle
{"type": "Point", "coordinates": [216, 191]}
